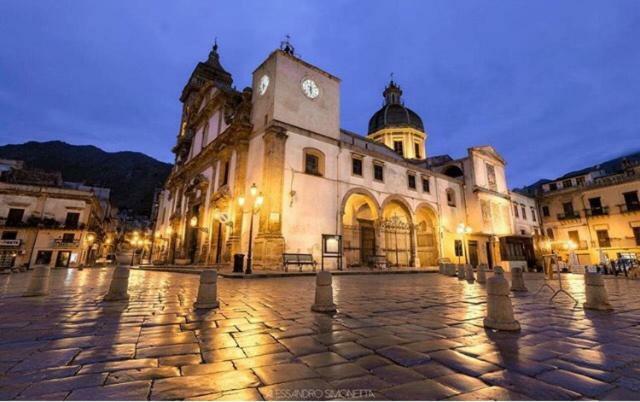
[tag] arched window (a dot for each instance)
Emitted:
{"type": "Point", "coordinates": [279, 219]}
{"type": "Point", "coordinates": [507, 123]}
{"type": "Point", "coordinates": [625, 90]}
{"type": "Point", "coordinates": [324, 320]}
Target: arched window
{"type": "Point", "coordinates": [451, 197]}
{"type": "Point", "coordinates": [313, 161]}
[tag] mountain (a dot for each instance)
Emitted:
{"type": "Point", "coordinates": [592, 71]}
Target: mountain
{"type": "Point", "coordinates": [131, 176]}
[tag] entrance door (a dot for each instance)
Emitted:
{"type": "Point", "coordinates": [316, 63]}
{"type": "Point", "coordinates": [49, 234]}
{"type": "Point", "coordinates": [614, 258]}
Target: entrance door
{"type": "Point", "coordinates": [473, 253]}
{"type": "Point", "coordinates": [367, 243]}
{"type": "Point", "coordinates": [62, 261]}
{"type": "Point", "coordinates": [489, 254]}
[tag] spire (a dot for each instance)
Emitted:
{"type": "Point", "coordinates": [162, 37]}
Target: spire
{"type": "Point", "coordinates": [286, 46]}
{"type": "Point", "coordinates": [392, 93]}
{"type": "Point", "coordinates": [214, 57]}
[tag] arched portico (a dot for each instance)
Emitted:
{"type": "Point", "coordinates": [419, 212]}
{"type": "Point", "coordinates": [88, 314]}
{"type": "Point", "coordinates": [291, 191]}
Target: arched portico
{"type": "Point", "coordinates": [360, 214]}
{"type": "Point", "coordinates": [427, 235]}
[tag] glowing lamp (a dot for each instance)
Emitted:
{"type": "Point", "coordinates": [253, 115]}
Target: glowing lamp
{"type": "Point", "coordinates": [241, 201]}
{"type": "Point", "coordinates": [194, 221]}
{"type": "Point", "coordinates": [259, 200]}
{"type": "Point", "coordinates": [253, 190]}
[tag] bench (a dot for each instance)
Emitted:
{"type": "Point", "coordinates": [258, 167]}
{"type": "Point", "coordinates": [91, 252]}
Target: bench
{"type": "Point", "coordinates": [297, 259]}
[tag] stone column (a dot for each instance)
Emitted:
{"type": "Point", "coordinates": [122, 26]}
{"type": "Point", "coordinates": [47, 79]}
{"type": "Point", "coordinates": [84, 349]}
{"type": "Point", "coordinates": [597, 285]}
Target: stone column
{"type": "Point", "coordinates": [269, 242]}
{"type": "Point", "coordinates": [239, 185]}
{"type": "Point", "coordinates": [415, 260]}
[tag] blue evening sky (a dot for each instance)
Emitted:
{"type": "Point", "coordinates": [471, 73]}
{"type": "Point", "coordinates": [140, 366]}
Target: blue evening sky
{"type": "Point", "coordinates": [552, 85]}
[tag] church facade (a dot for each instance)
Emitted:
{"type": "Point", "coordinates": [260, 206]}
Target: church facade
{"type": "Point", "coordinates": [271, 162]}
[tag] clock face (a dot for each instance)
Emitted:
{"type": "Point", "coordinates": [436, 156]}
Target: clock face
{"type": "Point", "coordinates": [310, 88]}
{"type": "Point", "coordinates": [263, 85]}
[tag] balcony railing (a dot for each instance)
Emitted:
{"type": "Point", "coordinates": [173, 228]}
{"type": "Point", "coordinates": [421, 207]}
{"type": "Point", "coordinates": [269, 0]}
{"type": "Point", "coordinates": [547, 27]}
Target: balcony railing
{"type": "Point", "coordinates": [10, 243]}
{"type": "Point", "coordinates": [568, 216]}
{"type": "Point", "coordinates": [66, 243]}
{"type": "Point", "coordinates": [624, 208]}
{"type": "Point", "coordinates": [596, 211]}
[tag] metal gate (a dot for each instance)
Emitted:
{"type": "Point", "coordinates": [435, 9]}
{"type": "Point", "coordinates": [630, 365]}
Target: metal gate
{"type": "Point", "coordinates": [397, 241]}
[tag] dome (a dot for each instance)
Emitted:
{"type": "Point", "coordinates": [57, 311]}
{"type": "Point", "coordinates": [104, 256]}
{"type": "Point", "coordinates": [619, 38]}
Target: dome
{"type": "Point", "coordinates": [394, 113]}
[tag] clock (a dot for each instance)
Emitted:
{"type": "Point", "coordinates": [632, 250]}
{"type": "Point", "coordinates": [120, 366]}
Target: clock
{"type": "Point", "coordinates": [310, 88]}
{"type": "Point", "coordinates": [263, 85]}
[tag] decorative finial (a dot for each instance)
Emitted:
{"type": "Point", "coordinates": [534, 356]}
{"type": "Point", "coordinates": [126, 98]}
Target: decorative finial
{"type": "Point", "coordinates": [391, 76]}
{"type": "Point", "coordinates": [215, 44]}
{"type": "Point", "coordinates": [286, 45]}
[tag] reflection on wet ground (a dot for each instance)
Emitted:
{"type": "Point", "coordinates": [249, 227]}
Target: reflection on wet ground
{"type": "Point", "coordinates": [412, 336]}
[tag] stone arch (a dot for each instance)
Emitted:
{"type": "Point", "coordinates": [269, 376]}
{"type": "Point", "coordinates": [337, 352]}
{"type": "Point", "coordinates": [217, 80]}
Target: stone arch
{"type": "Point", "coordinates": [400, 200]}
{"type": "Point", "coordinates": [359, 214]}
{"type": "Point", "coordinates": [427, 234]}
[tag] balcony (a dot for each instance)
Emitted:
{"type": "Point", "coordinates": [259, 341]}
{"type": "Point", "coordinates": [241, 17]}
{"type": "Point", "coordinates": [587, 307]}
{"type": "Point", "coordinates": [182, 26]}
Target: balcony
{"type": "Point", "coordinates": [593, 212]}
{"type": "Point", "coordinates": [10, 243]}
{"type": "Point", "coordinates": [569, 216]}
{"type": "Point", "coordinates": [66, 243]}
{"type": "Point", "coordinates": [628, 208]}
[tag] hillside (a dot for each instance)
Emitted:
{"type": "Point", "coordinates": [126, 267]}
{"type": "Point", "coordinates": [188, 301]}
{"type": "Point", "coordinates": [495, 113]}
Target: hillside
{"type": "Point", "coordinates": [132, 176]}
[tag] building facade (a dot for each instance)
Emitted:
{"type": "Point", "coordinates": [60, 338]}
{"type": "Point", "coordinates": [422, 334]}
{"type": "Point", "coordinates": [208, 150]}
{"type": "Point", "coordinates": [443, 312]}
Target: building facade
{"type": "Point", "coordinates": [272, 162]}
{"type": "Point", "coordinates": [594, 212]}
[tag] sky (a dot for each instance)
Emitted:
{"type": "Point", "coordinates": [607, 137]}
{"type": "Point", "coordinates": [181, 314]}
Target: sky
{"type": "Point", "coordinates": [554, 85]}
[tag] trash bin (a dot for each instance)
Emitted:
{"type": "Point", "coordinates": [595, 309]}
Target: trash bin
{"type": "Point", "coordinates": [238, 263]}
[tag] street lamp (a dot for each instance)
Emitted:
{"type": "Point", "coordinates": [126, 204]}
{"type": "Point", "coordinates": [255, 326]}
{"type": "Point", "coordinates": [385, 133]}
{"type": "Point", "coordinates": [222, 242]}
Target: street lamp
{"type": "Point", "coordinates": [258, 199]}
{"type": "Point", "coordinates": [464, 230]}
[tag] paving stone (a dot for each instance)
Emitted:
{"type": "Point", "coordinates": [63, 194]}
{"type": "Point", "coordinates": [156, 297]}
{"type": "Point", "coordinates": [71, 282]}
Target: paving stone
{"type": "Point", "coordinates": [331, 338]}
{"type": "Point", "coordinates": [621, 394]}
{"type": "Point", "coordinates": [606, 376]}
{"type": "Point", "coordinates": [247, 394]}
{"type": "Point", "coordinates": [403, 356]}
{"type": "Point", "coordinates": [198, 385]}
{"type": "Point", "coordinates": [64, 384]}
{"type": "Point", "coordinates": [26, 377]}
{"type": "Point", "coordinates": [517, 363]}
{"type": "Point", "coordinates": [284, 373]}
{"type": "Point", "coordinates": [364, 382]}
{"type": "Point", "coordinates": [264, 360]}
{"type": "Point", "coordinates": [141, 374]}
{"type": "Point", "coordinates": [131, 391]}
{"type": "Point", "coordinates": [372, 361]}
{"type": "Point", "coordinates": [219, 355]}
{"type": "Point", "coordinates": [170, 350]}
{"type": "Point", "coordinates": [338, 371]}
{"type": "Point", "coordinates": [576, 382]}
{"type": "Point", "coordinates": [395, 375]}
{"type": "Point", "coordinates": [180, 338]}
{"type": "Point", "coordinates": [531, 387]}
{"type": "Point", "coordinates": [56, 396]}
{"type": "Point", "coordinates": [419, 390]}
{"type": "Point", "coordinates": [460, 382]}
{"type": "Point", "coordinates": [463, 363]}
{"type": "Point", "coordinates": [207, 368]}
{"type": "Point", "coordinates": [490, 394]}
{"type": "Point", "coordinates": [50, 358]}
{"type": "Point", "coordinates": [181, 360]}
{"type": "Point", "coordinates": [322, 359]}
{"type": "Point", "coordinates": [303, 345]}
{"type": "Point", "coordinates": [350, 350]}
{"type": "Point", "coordinates": [255, 340]}
{"type": "Point", "coordinates": [432, 345]}
{"type": "Point", "coordinates": [379, 342]}
{"type": "Point", "coordinates": [115, 352]}
{"type": "Point", "coordinates": [593, 358]}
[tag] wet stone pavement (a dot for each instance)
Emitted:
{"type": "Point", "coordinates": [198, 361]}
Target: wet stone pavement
{"type": "Point", "coordinates": [417, 336]}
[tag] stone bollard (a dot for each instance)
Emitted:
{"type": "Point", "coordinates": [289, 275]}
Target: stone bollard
{"type": "Point", "coordinates": [39, 283]}
{"type": "Point", "coordinates": [482, 273]}
{"type": "Point", "coordinates": [517, 280]}
{"type": "Point", "coordinates": [499, 308]}
{"type": "Point", "coordinates": [595, 292]}
{"type": "Point", "coordinates": [468, 273]}
{"type": "Point", "coordinates": [324, 293]}
{"type": "Point", "coordinates": [452, 270]}
{"type": "Point", "coordinates": [118, 290]}
{"type": "Point", "coordinates": [460, 271]}
{"type": "Point", "coordinates": [442, 268]}
{"type": "Point", "coordinates": [208, 290]}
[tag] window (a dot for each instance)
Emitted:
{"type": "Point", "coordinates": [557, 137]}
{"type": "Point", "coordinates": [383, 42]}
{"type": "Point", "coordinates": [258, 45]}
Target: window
{"type": "Point", "coordinates": [636, 234]}
{"type": "Point", "coordinates": [553, 186]}
{"type": "Point", "coordinates": [631, 200]}
{"type": "Point", "coordinates": [68, 237]}
{"type": "Point", "coordinates": [356, 166]}
{"type": "Point", "coordinates": [411, 179]}
{"type": "Point", "coordinates": [313, 162]}
{"type": "Point", "coordinates": [533, 214]}
{"type": "Point", "coordinates": [574, 237]}
{"type": "Point", "coordinates": [545, 210]}
{"type": "Point", "coordinates": [397, 146]}
{"type": "Point", "coordinates": [225, 174]}
{"type": "Point", "coordinates": [524, 211]}
{"type": "Point", "coordinates": [566, 183]}
{"type": "Point", "coordinates": [491, 177]}
{"type": "Point", "coordinates": [43, 257]}
{"type": "Point", "coordinates": [426, 184]}
{"type": "Point", "coordinates": [567, 207]}
{"type": "Point", "coordinates": [550, 234]}
{"type": "Point", "coordinates": [9, 235]}
{"type": "Point", "coordinates": [15, 216]}
{"type": "Point", "coordinates": [595, 204]}
{"type": "Point", "coordinates": [451, 197]}
{"type": "Point", "coordinates": [72, 220]}
{"type": "Point", "coordinates": [416, 148]}
{"type": "Point", "coordinates": [515, 210]}
{"type": "Point", "coordinates": [580, 181]}
{"type": "Point", "coordinates": [603, 238]}
{"type": "Point", "coordinates": [378, 172]}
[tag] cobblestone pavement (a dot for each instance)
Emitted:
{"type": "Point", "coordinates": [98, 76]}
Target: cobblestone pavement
{"type": "Point", "coordinates": [412, 336]}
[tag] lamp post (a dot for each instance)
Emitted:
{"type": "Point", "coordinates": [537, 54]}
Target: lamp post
{"type": "Point", "coordinates": [464, 230]}
{"type": "Point", "coordinates": [258, 199]}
